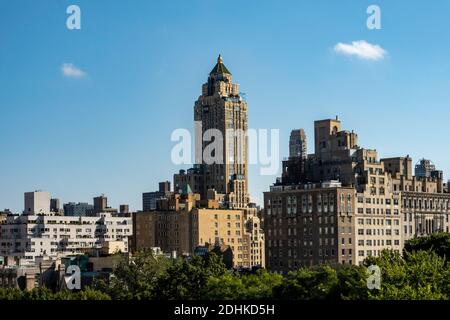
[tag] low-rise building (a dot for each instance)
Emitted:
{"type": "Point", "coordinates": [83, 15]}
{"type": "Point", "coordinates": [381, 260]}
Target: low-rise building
{"type": "Point", "coordinates": [31, 236]}
{"type": "Point", "coordinates": [45, 271]}
{"type": "Point", "coordinates": [180, 225]}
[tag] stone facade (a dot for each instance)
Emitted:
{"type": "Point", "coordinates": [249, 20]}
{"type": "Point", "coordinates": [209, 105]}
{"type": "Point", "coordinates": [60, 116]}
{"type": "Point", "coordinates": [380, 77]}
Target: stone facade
{"type": "Point", "coordinates": [220, 109]}
{"type": "Point", "coordinates": [376, 204]}
{"type": "Point", "coordinates": [182, 226]}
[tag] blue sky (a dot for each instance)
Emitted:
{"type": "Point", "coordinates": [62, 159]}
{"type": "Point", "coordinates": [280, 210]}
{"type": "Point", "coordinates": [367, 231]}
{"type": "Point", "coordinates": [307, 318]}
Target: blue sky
{"type": "Point", "coordinates": [145, 61]}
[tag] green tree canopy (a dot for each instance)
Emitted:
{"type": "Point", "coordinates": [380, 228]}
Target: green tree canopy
{"type": "Point", "coordinates": [135, 278]}
{"type": "Point", "coordinates": [420, 275]}
{"type": "Point", "coordinates": [248, 286]}
{"type": "Point", "coordinates": [188, 279]}
{"type": "Point", "coordinates": [437, 242]}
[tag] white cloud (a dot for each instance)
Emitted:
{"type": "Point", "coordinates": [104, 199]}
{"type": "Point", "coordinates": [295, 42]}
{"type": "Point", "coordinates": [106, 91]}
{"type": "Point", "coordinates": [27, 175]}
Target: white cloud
{"type": "Point", "coordinates": [71, 71]}
{"type": "Point", "coordinates": [362, 49]}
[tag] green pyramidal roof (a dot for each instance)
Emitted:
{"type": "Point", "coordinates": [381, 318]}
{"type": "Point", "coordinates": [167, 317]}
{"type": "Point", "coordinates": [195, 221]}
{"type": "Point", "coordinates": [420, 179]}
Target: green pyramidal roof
{"type": "Point", "coordinates": [186, 189]}
{"type": "Point", "coordinates": [220, 67]}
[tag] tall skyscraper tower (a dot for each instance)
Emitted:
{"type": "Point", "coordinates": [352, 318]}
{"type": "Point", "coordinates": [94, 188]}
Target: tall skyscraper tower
{"type": "Point", "coordinates": [220, 107]}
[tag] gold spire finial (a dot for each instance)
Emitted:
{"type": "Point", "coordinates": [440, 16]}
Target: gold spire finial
{"type": "Point", "coordinates": [219, 59]}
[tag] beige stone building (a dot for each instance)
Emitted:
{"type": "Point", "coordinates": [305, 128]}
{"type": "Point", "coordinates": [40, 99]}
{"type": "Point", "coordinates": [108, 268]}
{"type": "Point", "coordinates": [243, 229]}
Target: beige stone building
{"type": "Point", "coordinates": [185, 225]}
{"type": "Point", "coordinates": [373, 204]}
{"type": "Point", "coordinates": [210, 204]}
{"type": "Point", "coordinates": [221, 109]}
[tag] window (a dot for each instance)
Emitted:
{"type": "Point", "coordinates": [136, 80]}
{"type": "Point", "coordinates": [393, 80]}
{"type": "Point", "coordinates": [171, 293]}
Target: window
{"type": "Point", "coordinates": [319, 203]}
{"type": "Point", "coordinates": [331, 202]}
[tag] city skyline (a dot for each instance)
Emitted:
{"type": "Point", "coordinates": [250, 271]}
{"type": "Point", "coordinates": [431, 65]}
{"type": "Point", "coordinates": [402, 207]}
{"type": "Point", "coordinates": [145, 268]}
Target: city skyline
{"type": "Point", "coordinates": [77, 126]}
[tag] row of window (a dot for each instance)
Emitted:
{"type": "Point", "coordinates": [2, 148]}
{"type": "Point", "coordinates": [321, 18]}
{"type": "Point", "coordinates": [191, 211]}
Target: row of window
{"type": "Point", "coordinates": [377, 211]}
{"type": "Point", "coordinates": [378, 200]}
{"type": "Point", "coordinates": [378, 242]}
{"type": "Point", "coordinates": [378, 232]}
{"type": "Point", "coordinates": [373, 221]}
{"type": "Point", "coordinates": [427, 204]}
{"type": "Point", "coordinates": [369, 253]}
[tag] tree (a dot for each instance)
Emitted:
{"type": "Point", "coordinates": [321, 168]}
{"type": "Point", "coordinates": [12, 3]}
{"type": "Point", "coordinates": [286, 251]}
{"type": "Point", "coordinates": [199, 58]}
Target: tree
{"type": "Point", "coordinates": [260, 285]}
{"type": "Point", "coordinates": [351, 284]}
{"type": "Point", "coordinates": [420, 275]}
{"type": "Point", "coordinates": [10, 294]}
{"type": "Point", "coordinates": [307, 283]}
{"type": "Point", "coordinates": [247, 286]}
{"type": "Point", "coordinates": [188, 279]}
{"type": "Point", "coordinates": [226, 287]}
{"type": "Point", "coordinates": [85, 294]}
{"type": "Point", "coordinates": [437, 242]}
{"type": "Point", "coordinates": [136, 277]}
